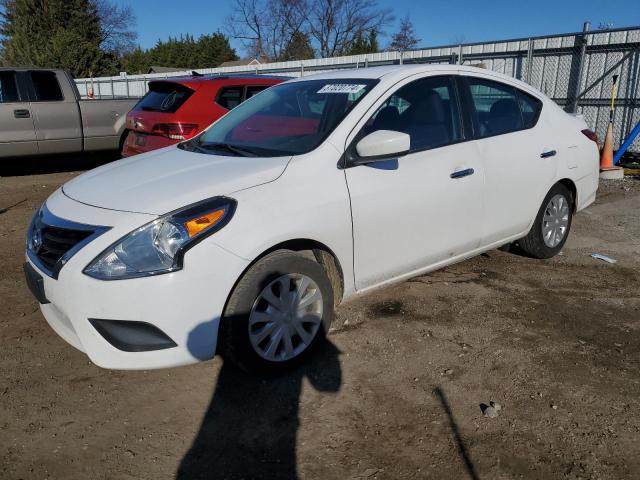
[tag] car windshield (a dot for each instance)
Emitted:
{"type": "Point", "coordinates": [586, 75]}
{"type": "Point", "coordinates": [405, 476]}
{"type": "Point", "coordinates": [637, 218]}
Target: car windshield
{"type": "Point", "coordinates": [287, 119]}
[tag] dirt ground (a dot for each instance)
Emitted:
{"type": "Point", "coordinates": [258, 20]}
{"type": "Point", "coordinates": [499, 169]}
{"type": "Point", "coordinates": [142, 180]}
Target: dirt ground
{"type": "Point", "coordinates": [395, 394]}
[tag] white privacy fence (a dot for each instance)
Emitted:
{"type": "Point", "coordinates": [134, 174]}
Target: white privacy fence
{"type": "Point", "coordinates": [575, 69]}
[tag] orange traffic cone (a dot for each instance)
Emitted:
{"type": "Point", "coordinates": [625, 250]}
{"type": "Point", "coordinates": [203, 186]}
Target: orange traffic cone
{"type": "Point", "coordinates": [606, 154]}
{"type": "Point", "coordinates": [607, 169]}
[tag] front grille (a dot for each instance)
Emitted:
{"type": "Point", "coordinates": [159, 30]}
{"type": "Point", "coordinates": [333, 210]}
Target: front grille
{"type": "Point", "coordinates": [52, 241]}
{"type": "Point", "coordinates": [58, 241]}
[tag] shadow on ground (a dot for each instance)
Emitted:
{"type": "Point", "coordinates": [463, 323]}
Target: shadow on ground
{"type": "Point", "coordinates": [250, 427]}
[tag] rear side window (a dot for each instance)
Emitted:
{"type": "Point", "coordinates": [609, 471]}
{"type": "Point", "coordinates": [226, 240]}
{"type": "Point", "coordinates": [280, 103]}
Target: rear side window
{"type": "Point", "coordinates": [530, 107]}
{"type": "Point", "coordinates": [46, 87]}
{"type": "Point", "coordinates": [230, 97]}
{"type": "Point", "coordinates": [254, 90]}
{"type": "Point", "coordinates": [165, 97]}
{"type": "Point", "coordinates": [8, 88]}
{"type": "Point", "coordinates": [496, 107]}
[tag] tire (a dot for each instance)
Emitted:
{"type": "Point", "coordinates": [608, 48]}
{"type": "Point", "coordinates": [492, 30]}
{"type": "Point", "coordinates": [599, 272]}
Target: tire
{"type": "Point", "coordinates": [535, 244]}
{"type": "Point", "coordinates": [287, 277]}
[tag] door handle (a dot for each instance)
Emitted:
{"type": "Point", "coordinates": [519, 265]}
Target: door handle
{"type": "Point", "coordinates": [21, 113]}
{"type": "Point", "coordinates": [550, 153]}
{"type": "Point", "coordinates": [462, 173]}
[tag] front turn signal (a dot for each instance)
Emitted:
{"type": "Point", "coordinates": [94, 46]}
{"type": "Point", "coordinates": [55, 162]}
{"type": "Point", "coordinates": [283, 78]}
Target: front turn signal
{"type": "Point", "coordinates": [197, 225]}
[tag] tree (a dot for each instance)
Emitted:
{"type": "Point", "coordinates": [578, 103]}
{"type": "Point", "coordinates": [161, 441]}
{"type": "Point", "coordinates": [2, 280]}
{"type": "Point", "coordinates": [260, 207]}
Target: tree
{"type": "Point", "coordinates": [83, 36]}
{"type": "Point", "coordinates": [212, 50]}
{"type": "Point", "coordinates": [298, 48]}
{"type": "Point", "coordinates": [266, 27]}
{"type": "Point", "coordinates": [364, 44]}
{"type": "Point", "coordinates": [181, 52]}
{"type": "Point", "coordinates": [53, 33]}
{"type": "Point", "coordinates": [117, 25]}
{"type": "Point", "coordinates": [334, 25]}
{"type": "Point", "coordinates": [405, 38]}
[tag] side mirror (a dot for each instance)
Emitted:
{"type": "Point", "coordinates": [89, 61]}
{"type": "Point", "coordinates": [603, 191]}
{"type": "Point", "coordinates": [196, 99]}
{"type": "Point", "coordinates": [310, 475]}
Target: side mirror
{"type": "Point", "coordinates": [382, 145]}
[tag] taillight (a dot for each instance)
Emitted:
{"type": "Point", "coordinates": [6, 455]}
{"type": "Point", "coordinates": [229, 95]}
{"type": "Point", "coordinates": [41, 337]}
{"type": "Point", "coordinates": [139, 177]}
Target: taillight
{"type": "Point", "coordinates": [591, 135]}
{"type": "Point", "coordinates": [175, 131]}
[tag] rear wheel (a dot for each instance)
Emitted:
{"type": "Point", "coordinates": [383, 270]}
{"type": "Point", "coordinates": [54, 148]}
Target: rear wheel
{"type": "Point", "coordinates": [552, 224]}
{"type": "Point", "coordinates": [277, 314]}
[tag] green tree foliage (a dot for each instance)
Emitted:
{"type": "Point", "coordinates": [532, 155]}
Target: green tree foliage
{"type": "Point", "coordinates": [298, 48]}
{"type": "Point", "coordinates": [184, 52]}
{"type": "Point", "coordinates": [53, 33]}
{"type": "Point", "coordinates": [94, 37]}
{"type": "Point", "coordinates": [364, 43]}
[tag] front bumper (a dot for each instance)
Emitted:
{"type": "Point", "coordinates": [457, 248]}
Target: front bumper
{"type": "Point", "coordinates": [186, 305]}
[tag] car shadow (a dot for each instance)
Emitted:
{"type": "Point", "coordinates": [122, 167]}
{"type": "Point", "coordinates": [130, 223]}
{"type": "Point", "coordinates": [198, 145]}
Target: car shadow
{"type": "Point", "coordinates": [44, 164]}
{"type": "Point", "coordinates": [250, 428]}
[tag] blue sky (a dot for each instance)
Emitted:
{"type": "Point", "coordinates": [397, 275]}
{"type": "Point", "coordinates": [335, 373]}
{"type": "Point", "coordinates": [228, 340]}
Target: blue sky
{"type": "Point", "coordinates": [436, 22]}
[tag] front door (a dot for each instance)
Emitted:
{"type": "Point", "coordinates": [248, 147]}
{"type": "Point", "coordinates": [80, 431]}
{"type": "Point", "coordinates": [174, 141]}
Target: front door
{"type": "Point", "coordinates": [423, 208]}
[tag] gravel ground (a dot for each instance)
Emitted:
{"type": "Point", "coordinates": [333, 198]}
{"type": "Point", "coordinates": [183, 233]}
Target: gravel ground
{"type": "Point", "coordinates": [398, 392]}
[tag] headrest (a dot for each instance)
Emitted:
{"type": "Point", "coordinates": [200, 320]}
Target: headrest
{"type": "Point", "coordinates": [429, 110]}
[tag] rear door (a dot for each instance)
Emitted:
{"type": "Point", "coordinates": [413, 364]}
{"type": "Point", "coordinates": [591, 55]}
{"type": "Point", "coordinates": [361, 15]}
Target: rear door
{"type": "Point", "coordinates": [56, 113]}
{"type": "Point", "coordinates": [17, 132]}
{"type": "Point", "coordinates": [519, 162]}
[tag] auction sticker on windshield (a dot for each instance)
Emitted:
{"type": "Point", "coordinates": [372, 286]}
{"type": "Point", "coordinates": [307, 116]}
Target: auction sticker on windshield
{"type": "Point", "coordinates": [341, 88]}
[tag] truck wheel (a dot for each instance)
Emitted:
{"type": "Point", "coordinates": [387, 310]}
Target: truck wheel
{"type": "Point", "coordinates": [277, 313]}
{"type": "Point", "coordinates": [552, 224]}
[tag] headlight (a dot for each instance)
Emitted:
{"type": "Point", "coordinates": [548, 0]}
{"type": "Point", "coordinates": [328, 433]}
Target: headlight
{"type": "Point", "coordinates": [159, 246]}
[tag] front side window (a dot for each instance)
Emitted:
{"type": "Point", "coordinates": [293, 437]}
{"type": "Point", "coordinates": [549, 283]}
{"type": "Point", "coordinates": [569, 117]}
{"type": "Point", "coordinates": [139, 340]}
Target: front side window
{"type": "Point", "coordinates": [287, 119]}
{"type": "Point", "coordinates": [426, 109]}
{"type": "Point", "coordinates": [8, 88]}
{"type": "Point", "coordinates": [496, 107]}
{"type": "Point", "coordinates": [46, 86]}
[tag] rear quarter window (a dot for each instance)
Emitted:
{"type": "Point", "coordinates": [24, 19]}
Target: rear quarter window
{"type": "Point", "coordinates": [230, 97]}
{"type": "Point", "coordinates": [530, 107]}
{"type": "Point", "coordinates": [46, 86]}
{"type": "Point", "coordinates": [165, 97]}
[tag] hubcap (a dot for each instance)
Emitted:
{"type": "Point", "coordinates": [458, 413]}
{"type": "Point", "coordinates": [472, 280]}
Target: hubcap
{"type": "Point", "coordinates": [285, 317]}
{"type": "Point", "coordinates": [555, 221]}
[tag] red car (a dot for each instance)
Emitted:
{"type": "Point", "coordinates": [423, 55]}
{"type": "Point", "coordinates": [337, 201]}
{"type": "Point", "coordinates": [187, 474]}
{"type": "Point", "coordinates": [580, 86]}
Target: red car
{"type": "Point", "coordinates": [177, 109]}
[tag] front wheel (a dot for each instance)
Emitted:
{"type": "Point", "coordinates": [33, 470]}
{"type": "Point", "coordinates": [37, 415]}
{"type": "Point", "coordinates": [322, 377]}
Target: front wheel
{"type": "Point", "coordinates": [552, 224]}
{"type": "Point", "coordinates": [278, 312]}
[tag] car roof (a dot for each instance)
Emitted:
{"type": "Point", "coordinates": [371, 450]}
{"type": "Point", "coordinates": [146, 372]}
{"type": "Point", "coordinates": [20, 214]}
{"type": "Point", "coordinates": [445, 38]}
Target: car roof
{"type": "Point", "coordinates": [398, 72]}
{"type": "Point", "coordinates": [195, 81]}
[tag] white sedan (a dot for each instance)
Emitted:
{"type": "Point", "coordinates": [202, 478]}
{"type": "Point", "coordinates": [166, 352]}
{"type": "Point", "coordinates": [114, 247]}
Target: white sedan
{"type": "Point", "coordinates": [242, 240]}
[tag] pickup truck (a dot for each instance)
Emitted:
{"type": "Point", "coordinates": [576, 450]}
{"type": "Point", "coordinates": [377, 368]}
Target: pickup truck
{"type": "Point", "coordinates": [41, 112]}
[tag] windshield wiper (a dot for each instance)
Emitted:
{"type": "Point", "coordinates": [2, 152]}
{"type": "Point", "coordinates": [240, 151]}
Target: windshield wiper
{"type": "Point", "coordinates": [241, 151]}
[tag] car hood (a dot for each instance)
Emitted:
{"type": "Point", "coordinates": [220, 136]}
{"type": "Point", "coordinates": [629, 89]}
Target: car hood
{"type": "Point", "coordinates": [161, 181]}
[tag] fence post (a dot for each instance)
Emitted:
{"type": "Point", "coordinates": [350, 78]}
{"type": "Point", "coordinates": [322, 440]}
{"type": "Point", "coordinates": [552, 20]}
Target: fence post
{"type": "Point", "coordinates": [301, 69]}
{"type": "Point", "coordinates": [529, 61]}
{"type": "Point", "coordinates": [573, 108]}
{"type": "Point", "coordinates": [460, 54]}
{"type": "Point", "coordinates": [126, 82]}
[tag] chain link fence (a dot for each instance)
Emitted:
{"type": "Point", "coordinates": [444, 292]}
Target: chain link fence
{"type": "Point", "coordinates": [574, 69]}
